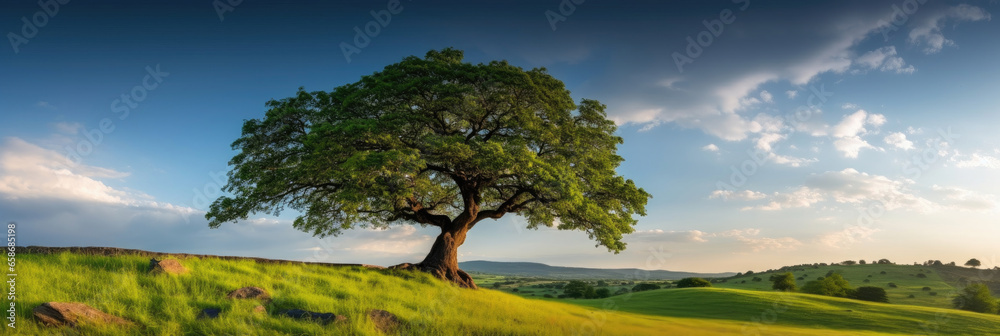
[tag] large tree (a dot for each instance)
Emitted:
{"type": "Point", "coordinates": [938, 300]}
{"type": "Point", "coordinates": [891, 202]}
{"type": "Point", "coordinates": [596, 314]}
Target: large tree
{"type": "Point", "coordinates": [436, 142]}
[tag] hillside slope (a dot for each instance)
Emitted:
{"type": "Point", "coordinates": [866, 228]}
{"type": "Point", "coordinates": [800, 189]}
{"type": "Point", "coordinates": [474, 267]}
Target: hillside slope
{"type": "Point", "coordinates": [529, 269]}
{"type": "Point", "coordinates": [768, 310]}
{"type": "Point", "coordinates": [168, 305]}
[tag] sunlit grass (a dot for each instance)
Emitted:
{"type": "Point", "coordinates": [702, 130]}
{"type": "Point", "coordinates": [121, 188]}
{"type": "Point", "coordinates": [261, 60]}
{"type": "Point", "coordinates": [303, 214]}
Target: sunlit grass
{"type": "Point", "coordinates": [169, 305]}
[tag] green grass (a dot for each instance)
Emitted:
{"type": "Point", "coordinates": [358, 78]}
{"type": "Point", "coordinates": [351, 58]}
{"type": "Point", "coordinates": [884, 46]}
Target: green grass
{"type": "Point", "coordinates": [168, 305]}
{"type": "Point", "coordinates": [856, 274]}
{"type": "Point", "coordinates": [768, 310]}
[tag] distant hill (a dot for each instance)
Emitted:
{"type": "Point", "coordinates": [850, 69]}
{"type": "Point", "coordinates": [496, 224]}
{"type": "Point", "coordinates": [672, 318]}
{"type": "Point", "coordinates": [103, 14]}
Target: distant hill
{"type": "Point", "coordinates": [530, 269]}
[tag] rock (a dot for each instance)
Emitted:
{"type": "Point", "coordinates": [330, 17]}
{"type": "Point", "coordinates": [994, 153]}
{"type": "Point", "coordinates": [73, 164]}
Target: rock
{"type": "Point", "coordinates": [250, 293]}
{"type": "Point", "coordinates": [260, 309]}
{"type": "Point", "coordinates": [384, 321]}
{"type": "Point", "coordinates": [74, 313]}
{"type": "Point", "coordinates": [324, 318]}
{"type": "Point", "coordinates": [168, 266]}
{"type": "Point", "coordinates": [209, 313]}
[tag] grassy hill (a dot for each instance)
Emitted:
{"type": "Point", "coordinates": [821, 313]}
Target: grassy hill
{"type": "Point", "coordinates": [538, 270]}
{"type": "Point", "coordinates": [909, 280]}
{"type": "Point", "coordinates": [768, 310]}
{"type": "Point", "coordinates": [168, 305]}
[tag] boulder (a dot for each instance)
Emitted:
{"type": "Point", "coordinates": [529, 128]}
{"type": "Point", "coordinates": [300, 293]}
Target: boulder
{"type": "Point", "coordinates": [209, 313]}
{"type": "Point", "coordinates": [250, 293]}
{"type": "Point", "coordinates": [168, 266]}
{"type": "Point", "coordinates": [324, 318]}
{"type": "Point", "coordinates": [74, 313]}
{"type": "Point", "coordinates": [384, 321]}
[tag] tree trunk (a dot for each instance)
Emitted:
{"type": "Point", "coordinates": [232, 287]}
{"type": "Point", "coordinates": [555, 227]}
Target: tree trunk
{"type": "Point", "coordinates": [442, 261]}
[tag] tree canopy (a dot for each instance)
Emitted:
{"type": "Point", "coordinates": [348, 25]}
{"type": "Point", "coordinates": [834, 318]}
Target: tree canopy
{"type": "Point", "coordinates": [436, 142]}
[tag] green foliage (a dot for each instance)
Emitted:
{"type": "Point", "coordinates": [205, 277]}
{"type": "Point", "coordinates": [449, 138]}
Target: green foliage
{"type": "Point", "coordinates": [435, 141]}
{"type": "Point", "coordinates": [577, 289]}
{"type": "Point", "coordinates": [784, 282]}
{"type": "Point", "coordinates": [870, 293]}
{"type": "Point", "coordinates": [832, 285]}
{"type": "Point", "coordinates": [645, 287]}
{"type": "Point", "coordinates": [602, 293]}
{"type": "Point", "coordinates": [693, 282]}
{"type": "Point", "coordinates": [973, 263]}
{"type": "Point", "coordinates": [976, 297]}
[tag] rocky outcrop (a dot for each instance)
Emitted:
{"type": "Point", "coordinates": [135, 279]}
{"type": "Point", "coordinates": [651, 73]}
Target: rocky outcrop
{"type": "Point", "coordinates": [323, 318]}
{"type": "Point", "coordinates": [73, 314]}
{"type": "Point", "coordinates": [256, 293]}
{"type": "Point", "coordinates": [386, 322]}
{"type": "Point", "coordinates": [168, 266]}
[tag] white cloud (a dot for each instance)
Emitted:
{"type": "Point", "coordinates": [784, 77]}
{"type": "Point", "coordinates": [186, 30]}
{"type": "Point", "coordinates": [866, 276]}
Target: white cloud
{"type": "Point", "coordinates": [848, 132]}
{"type": "Point", "coordinates": [658, 235]}
{"type": "Point", "coordinates": [849, 106]}
{"type": "Point", "coordinates": [899, 140]}
{"type": "Point", "coordinates": [743, 195]}
{"type": "Point", "coordinates": [766, 140]}
{"type": "Point", "coordinates": [927, 32]}
{"type": "Point", "coordinates": [766, 96]}
{"type": "Point", "coordinates": [45, 104]}
{"type": "Point", "coordinates": [853, 187]}
{"type": "Point", "coordinates": [751, 239]}
{"type": "Point", "coordinates": [963, 199]}
{"type": "Point", "coordinates": [789, 160]}
{"type": "Point", "coordinates": [847, 236]}
{"type": "Point", "coordinates": [710, 148]}
{"type": "Point", "coordinates": [884, 59]}
{"type": "Point", "coordinates": [791, 94]}
{"type": "Point", "coordinates": [977, 160]}
{"type": "Point", "coordinates": [804, 197]}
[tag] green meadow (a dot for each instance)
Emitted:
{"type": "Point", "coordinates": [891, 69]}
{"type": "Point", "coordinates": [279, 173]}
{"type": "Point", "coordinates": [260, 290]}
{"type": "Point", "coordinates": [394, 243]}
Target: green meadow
{"type": "Point", "coordinates": [169, 304]}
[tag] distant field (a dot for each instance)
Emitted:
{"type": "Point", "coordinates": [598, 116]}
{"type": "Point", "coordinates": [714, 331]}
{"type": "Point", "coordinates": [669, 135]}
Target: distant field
{"type": "Point", "coordinates": [772, 309]}
{"type": "Point", "coordinates": [904, 276]}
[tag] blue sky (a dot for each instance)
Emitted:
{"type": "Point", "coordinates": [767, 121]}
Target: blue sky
{"type": "Point", "coordinates": [777, 134]}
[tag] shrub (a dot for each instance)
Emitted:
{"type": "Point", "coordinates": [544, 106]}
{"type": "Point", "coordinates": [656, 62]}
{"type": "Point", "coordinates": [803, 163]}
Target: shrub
{"type": "Point", "coordinates": [694, 282]}
{"type": "Point", "coordinates": [867, 281]}
{"type": "Point", "coordinates": [800, 278]}
{"type": "Point", "coordinates": [833, 285]}
{"type": "Point", "coordinates": [562, 296]}
{"type": "Point", "coordinates": [757, 279]}
{"type": "Point", "coordinates": [870, 293]}
{"type": "Point", "coordinates": [645, 287]}
{"type": "Point", "coordinates": [547, 296]}
{"type": "Point", "coordinates": [921, 275]}
{"type": "Point", "coordinates": [893, 285]}
{"type": "Point", "coordinates": [783, 282]}
{"type": "Point", "coordinates": [933, 293]}
{"type": "Point", "coordinates": [925, 289]}
{"type": "Point", "coordinates": [977, 298]}
{"type": "Point", "coordinates": [882, 273]}
{"type": "Point", "coordinates": [744, 281]}
{"type": "Point", "coordinates": [911, 296]}
{"type": "Point", "coordinates": [577, 289]}
{"type": "Point", "coordinates": [602, 293]}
